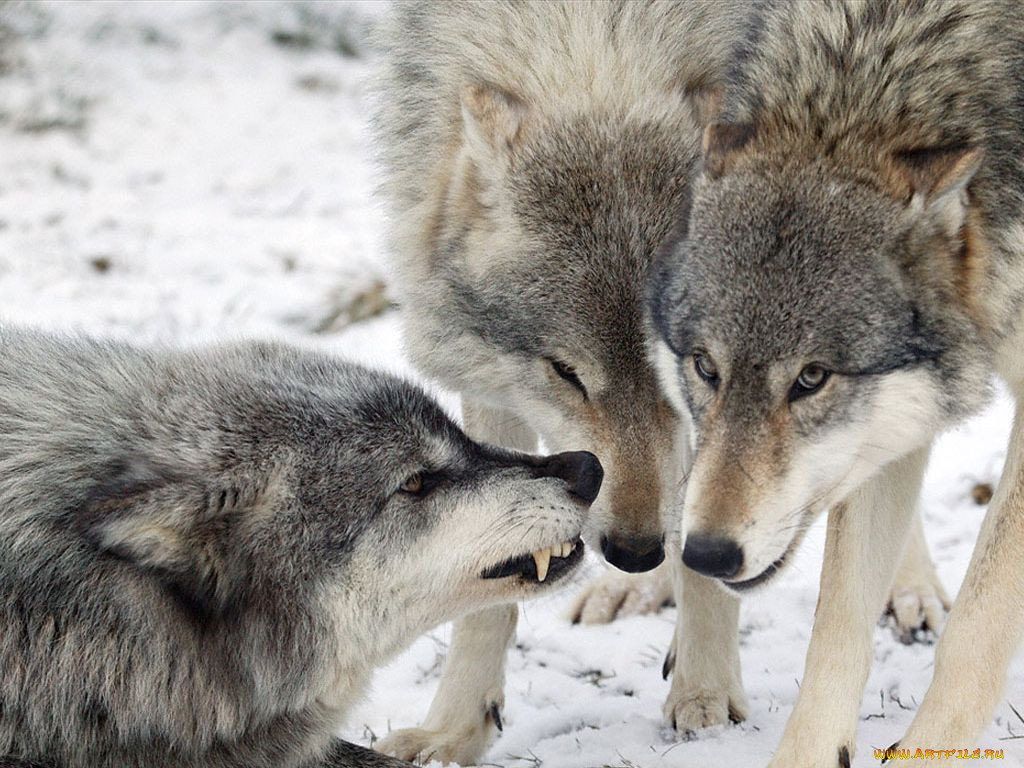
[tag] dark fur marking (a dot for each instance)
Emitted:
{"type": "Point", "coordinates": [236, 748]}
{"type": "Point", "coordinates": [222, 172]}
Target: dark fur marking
{"type": "Point", "coordinates": [932, 34]}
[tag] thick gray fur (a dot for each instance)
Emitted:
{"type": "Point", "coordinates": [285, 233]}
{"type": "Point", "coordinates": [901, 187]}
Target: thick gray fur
{"type": "Point", "coordinates": [803, 248]}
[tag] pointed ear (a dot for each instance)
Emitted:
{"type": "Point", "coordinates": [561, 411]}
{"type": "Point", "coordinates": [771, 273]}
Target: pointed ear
{"type": "Point", "coordinates": [492, 120]}
{"type": "Point", "coordinates": [707, 103]}
{"type": "Point", "coordinates": [170, 527]}
{"type": "Point", "coordinates": [723, 144]}
{"type": "Point", "coordinates": [937, 178]}
{"type": "Point", "coordinates": [936, 171]}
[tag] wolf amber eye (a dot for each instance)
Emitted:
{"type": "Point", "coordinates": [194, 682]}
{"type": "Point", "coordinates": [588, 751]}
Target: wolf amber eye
{"type": "Point", "coordinates": [705, 368]}
{"type": "Point", "coordinates": [568, 373]}
{"type": "Point", "coordinates": [413, 484]}
{"type": "Point", "coordinates": [422, 483]}
{"type": "Point", "coordinates": [811, 379]}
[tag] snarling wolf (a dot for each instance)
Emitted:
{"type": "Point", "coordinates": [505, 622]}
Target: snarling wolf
{"type": "Point", "coordinates": [536, 155]}
{"type": "Point", "coordinates": [849, 277]}
{"type": "Point", "coordinates": [204, 554]}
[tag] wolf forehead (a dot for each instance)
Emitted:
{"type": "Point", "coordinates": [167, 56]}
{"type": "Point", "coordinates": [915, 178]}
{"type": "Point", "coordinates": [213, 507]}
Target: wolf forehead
{"type": "Point", "coordinates": [788, 266]}
{"type": "Point", "coordinates": [592, 199]}
{"type": "Point", "coordinates": [321, 406]}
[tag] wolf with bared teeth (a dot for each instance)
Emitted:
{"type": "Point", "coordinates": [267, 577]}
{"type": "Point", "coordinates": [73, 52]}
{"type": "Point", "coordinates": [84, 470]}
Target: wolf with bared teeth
{"type": "Point", "coordinates": [205, 553]}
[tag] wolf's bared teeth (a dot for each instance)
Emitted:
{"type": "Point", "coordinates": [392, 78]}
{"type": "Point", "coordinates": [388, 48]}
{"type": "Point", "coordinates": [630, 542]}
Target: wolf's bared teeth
{"type": "Point", "coordinates": [567, 548]}
{"type": "Point", "coordinates": [542, 557]}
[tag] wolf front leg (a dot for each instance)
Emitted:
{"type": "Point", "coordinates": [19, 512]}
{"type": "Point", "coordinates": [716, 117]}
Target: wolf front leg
{"type": "Point", "coordinates": [704, 660]}
{"type": "Point", "coordinates": [863, 545]}
{"type": "Point", "coordinates": [985, 626]}
{"type": "Point", "coordinates": [467, 707]}
{"type": "Point", "coordinates": [466, 711]}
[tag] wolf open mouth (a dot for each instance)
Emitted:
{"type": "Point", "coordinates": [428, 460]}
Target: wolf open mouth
{"type": "Point", "coordinates": [544, 565]}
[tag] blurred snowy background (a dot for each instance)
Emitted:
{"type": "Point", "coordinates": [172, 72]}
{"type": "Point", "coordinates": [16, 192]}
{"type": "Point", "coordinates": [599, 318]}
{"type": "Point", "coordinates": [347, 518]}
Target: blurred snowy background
{"type": "Point", "coordinates": [192, 170]}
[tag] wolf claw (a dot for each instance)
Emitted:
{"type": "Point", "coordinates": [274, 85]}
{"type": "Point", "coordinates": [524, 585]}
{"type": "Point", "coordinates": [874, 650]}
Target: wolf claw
{"type": "Point", "coordinates": [669, 664]}
{"type": "Point", "coordinates": [494, 712]}
{"type": "Point", "coordinates": [889, 751]}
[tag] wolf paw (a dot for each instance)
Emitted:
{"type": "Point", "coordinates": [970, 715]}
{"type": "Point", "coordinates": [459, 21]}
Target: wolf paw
{"type": "Point", "coordinates": [461, 746]}
{"type": "Point", "coordinates": [917, 600]}
{"type": "Point", "coordinates": [615, 594]}
{"type": "Point", "coordinates": [688, 709]}
{"type": "Point", "coordinates": [418, 745]}
{"type": "Point", "coordinates": [917, 606]}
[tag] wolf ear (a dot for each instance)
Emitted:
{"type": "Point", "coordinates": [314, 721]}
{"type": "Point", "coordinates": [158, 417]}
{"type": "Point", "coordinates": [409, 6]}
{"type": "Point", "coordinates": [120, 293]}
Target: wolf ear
{"type": "Point", "coordinates": [492, 119]}
{"type": "Point", "coordinates": [723, 143]}
{"type": "Point", "coordinates": [170, 527]}
{"type": "Point", "coordinates": [937, 178]}
{"type": "Point", "coordinates": [707, 102]}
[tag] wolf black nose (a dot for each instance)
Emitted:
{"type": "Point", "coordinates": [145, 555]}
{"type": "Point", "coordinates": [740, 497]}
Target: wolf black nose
{"type": "Point", "coordinates": [580, 470]}
{"type": "Point", "coordinates": [713, 556]}
{"type": "Point", "coordinates": [633, 555]}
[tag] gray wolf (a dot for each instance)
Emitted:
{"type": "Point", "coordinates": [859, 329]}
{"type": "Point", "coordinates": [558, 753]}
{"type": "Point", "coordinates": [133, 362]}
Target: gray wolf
{"type": "Point", "coordinates": [846, 281]}
{"type": "Point", "coordinates": [204, 553]}
{"type": "Point", "coordinates": [535, 157]}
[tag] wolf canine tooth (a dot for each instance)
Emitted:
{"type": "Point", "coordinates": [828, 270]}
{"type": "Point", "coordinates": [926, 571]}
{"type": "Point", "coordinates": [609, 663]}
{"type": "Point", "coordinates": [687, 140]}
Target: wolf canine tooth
{"type": "Point", "coordinates": [542, 558]}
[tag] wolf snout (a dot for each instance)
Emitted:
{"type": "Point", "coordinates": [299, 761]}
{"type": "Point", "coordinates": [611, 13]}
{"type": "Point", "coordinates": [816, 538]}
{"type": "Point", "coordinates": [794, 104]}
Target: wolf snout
{"type": "Point", "coordinates": [633, 555]}
{"type": "Point", "coordinates": [581, 472]}
{"type": "Point", "coordinates": [716, 556]}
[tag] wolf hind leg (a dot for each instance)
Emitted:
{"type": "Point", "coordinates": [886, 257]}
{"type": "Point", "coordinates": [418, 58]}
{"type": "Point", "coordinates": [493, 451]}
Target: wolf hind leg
{"type": "Point", "coordinates": [466, 710]}
{"type": "Point", "coordinates": [704, 659]}
{"type": "Point", "coordinates": [985, 626]}
{"type": "Point", "coordinates": [917, 601]}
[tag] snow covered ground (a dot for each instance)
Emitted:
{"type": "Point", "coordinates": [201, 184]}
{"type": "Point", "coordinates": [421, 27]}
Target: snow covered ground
{"type": "Point", "coordinates": [193, 170]}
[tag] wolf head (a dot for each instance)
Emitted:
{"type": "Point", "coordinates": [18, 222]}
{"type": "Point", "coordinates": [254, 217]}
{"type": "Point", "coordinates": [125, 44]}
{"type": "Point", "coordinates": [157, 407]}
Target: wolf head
{"type": "Point", "coordinates": [533, 297]}
{"type": "Point", "coordinates": [346, 481]}
{"type": "Point", "coordinates": [816, 324]}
